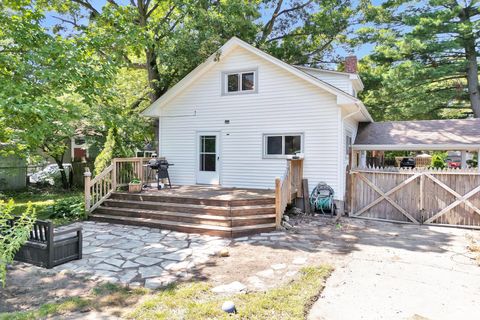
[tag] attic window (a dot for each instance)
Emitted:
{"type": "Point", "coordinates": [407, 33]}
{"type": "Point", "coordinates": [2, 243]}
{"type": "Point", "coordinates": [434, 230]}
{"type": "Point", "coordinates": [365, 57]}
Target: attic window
{"type": "Point", "coordinates": [240, 82]}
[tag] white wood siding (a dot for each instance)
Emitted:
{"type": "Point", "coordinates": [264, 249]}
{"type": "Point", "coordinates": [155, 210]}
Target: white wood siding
{"type": "Point", "coordinates": [341, 81]}
{"type": "Point", "coordinates": [284, 104]}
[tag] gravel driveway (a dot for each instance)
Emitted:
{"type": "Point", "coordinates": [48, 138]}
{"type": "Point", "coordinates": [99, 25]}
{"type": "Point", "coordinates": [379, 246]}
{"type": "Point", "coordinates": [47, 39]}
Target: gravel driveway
{"type": "Point", "coordinates": [395, 271]}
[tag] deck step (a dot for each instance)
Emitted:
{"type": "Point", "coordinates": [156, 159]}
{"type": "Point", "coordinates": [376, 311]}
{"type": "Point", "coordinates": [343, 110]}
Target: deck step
{"type": "Point", "coordinates": [222, 231]}
{"type": "Point", "coordinates": [192, 208]}
{"type": "Point", "coordinates": [188, 217]}
{"type": "Point", "coordinates": [158, 197]}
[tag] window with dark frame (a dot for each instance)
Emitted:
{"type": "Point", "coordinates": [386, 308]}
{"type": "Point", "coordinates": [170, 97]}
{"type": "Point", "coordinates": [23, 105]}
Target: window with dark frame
{"type": "Point", "coordinates": [282, 145]}
{"type": "Point", "coordinates": [240, 82]}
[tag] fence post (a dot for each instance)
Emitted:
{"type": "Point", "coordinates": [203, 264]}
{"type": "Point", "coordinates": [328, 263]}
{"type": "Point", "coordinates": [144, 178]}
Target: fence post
{"type": "Point", "coordinates": [87, 176]}
{"type": "Point", "coordinates": [352, 192]}
{"type": "Point", "coordinates": [278, 203]}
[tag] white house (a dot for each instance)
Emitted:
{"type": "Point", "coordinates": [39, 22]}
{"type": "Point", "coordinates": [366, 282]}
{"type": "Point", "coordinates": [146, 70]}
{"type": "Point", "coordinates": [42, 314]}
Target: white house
{"type": "Point", "coordinates": [235, 119]}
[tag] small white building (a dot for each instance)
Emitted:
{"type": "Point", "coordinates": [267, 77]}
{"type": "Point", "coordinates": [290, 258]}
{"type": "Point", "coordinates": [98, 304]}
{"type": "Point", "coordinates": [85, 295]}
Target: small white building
{"type": "Point", "coordinates": [236, 118]}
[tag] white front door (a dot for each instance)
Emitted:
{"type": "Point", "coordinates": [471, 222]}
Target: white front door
{"type": "Point", "coordinates": [208, 163]}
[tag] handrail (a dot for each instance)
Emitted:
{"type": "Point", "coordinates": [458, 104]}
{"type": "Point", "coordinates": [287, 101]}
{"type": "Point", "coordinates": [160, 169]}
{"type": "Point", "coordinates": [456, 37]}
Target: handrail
{"type": "Point", "coordinates": [119, 173]}
{"type": "Point", "coordinates": [291, 181]}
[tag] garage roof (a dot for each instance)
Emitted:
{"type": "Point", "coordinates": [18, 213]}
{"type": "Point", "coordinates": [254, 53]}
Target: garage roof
{"type": "Point", "coordinates": [454, 134]}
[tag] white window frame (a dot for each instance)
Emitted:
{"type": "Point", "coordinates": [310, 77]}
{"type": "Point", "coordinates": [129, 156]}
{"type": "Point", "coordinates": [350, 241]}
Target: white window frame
{"type": "Point", "coordinates": [283, 135]}
{"type": "Point", "coordinates": [225, 75]}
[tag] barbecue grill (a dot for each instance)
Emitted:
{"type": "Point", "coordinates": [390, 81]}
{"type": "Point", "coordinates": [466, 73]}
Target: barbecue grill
{"type": "Point", "coordinates": [161, 168]}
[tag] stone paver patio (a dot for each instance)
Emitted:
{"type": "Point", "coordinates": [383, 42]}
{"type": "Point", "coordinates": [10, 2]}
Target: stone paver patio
{"type": "Point", "coordinates": [140, 256]}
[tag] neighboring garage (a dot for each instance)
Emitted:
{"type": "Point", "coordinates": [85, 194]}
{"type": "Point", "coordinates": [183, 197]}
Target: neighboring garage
{"type": "Point", "coordinates": [421, 196]}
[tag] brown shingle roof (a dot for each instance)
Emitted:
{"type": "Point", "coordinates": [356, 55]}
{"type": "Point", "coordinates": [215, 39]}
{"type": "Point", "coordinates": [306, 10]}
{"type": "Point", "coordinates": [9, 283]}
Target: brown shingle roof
{"type": "Point", "coordinates": [424, 132]}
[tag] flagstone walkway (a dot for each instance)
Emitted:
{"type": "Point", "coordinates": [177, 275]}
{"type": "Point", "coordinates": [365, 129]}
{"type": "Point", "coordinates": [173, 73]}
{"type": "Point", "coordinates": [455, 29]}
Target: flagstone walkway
{"type": "Point", "coordinates": [140, 256]}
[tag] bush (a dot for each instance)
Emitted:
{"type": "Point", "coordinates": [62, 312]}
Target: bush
{"type": "Point", "coordinates": [12, 238]}
{"type": "Point", "coordinates": [71, 208]}
{"type": "Point", "coordinates": [438, 161]}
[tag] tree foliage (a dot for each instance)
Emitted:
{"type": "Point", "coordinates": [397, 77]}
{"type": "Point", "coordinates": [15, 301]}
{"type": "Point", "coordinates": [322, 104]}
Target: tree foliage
{"type": "Point", "coordinates": [424, 61]}
{"type": "Point", "coordinates": [101, 64]}
{"type": "Point", "coordinates": [13, 237]}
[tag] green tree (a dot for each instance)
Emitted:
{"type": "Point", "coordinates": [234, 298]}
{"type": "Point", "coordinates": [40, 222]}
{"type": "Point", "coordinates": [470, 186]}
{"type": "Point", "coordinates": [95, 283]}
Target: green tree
{"type": "Point", "coordinates": [424, 64]}
{"type": "Point", "coordinates": [48, 83]}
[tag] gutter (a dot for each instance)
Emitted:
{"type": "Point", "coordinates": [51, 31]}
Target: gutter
{"type": "Point", "coordinates": [352, 113]}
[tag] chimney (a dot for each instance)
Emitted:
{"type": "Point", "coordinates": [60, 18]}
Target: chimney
{"type": "Point", "coordinates": [351, 64]}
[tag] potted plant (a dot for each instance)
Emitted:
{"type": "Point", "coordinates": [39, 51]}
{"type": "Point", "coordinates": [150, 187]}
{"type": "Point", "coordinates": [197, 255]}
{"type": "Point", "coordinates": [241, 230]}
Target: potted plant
{"type": "Point", "coordinates": [135, 185]}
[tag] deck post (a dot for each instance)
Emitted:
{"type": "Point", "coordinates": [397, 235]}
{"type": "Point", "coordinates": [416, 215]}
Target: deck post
{"type": "Point", "coordinates": [140, 170]}
{"type": "Point", "coordinates": [88, 175]}
{"type": "Point", "coordinates": [114, 174]}
{"type": "Point", "coordinates": [278, 203]}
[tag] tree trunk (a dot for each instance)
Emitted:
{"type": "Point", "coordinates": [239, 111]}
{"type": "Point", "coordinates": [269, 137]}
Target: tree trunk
{"type": "Point", "coordinates": [472, 76]}
{"type": "Point", "coordinates": [472, 65]}
{"type": "Point", "coordinates": [156, 92]}
{"type": "Point", "coordinates": [59, 162]}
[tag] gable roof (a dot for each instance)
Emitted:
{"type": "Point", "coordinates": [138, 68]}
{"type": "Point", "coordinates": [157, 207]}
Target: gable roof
{"type": "Point", "coordinates": [454, 134]}
{"type": "Point", "coordinates": [233, 43]}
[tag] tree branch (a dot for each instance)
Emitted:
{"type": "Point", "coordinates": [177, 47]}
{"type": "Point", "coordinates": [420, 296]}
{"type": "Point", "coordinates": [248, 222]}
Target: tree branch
{"type": "Point", "coordinates": [301, 6]}
{"type": "Point", "coordinates": [87, 5]}
{"type": "Point", "coordinates": [155, 6]}
{"type": "Point", "coordinates": [267, 29]}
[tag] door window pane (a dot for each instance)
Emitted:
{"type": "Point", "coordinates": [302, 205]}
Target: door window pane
{"type": "Point", "coordinates": [274, 145]}
{"type": "Point", "coordinates": [293, 144]}
{"type": "Point", "coordinates": [208, 162]}
{"type": "Point", "coordinates": [232, 82]}
{"type": "Point", "coordinates": [208, 143]}
{"type": "Point", "coordinates": [248, 82]}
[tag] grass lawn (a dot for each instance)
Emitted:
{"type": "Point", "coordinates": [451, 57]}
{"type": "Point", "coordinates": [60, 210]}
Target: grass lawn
{"type": "Point", "coordinates": [42, 201]}
{"type": "Point", "coordinates": [195, 301]}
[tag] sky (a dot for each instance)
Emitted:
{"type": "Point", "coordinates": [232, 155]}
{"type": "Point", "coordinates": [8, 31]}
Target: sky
{"type": "Point", "coordinates": [98, 4]}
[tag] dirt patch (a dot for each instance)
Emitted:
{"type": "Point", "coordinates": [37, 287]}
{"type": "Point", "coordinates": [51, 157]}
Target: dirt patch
{"type": "Point", "coordinates": [29, 287]}
{"type": "Point", "coordinates": [268, 260]}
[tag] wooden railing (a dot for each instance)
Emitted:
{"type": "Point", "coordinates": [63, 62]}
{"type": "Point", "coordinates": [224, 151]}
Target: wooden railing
{"type": "Point", "coordinates": [288, 188]}
{"type": "Point", "coordinates": [118, 174]}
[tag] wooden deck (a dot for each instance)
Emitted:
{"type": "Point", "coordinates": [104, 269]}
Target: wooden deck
{"type": "Point", "coordinates": [227, 212]}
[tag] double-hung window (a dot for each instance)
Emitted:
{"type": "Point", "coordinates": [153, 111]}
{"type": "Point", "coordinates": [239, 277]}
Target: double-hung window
{"type": "Point", "coordinates": [240, 82]}
{"type": "Point", "coordinates": [281, 145]}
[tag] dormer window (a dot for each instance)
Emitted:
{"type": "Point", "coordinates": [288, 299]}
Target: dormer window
{"type": "Point", "coordinates": [240, 82]}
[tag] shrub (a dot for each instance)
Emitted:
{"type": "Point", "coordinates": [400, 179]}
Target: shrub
{"type": "Point", "coordinates": [12, 238]}
{"type": "Point", "coordinates": [71, 208]}
{"type": "Point", "coordinates": [438, 161]}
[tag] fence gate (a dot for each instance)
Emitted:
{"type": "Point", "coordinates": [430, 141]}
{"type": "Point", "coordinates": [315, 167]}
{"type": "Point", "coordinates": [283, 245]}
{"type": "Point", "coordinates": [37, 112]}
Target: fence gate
{"type": "Point", "coordinates": [420, 196]}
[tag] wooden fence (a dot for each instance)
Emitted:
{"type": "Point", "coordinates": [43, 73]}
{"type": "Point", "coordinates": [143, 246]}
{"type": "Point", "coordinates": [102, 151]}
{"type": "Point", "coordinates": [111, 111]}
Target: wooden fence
{"type": "Point", "coordinates": [420, 196]}
{"type": "Point", "coordinates": [13, 173]}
